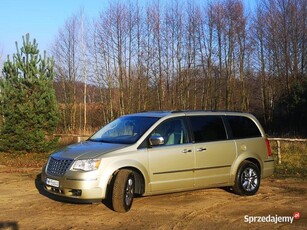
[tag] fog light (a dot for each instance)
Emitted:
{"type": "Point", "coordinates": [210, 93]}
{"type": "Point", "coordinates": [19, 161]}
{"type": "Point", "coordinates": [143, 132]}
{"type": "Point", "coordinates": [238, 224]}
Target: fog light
{"type": "Point", "coordinates": [76, 192]}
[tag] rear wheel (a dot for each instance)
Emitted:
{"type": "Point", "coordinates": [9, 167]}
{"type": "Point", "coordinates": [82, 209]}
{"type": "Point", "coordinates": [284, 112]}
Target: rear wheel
{"type": "Point", "coordinates": [123, 191]}
{"type": "Point", "coordinates": [247, 180]}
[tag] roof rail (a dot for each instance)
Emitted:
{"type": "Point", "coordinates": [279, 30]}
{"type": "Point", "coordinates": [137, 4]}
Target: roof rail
{"type": "Point", "coordinates": [156, 111]}
{"type": "Point", "coordinates": [182, 111]}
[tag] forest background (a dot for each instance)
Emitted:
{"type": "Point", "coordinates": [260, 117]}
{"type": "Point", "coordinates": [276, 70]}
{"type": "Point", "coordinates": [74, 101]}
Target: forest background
{"type": "Point", "coordinates": [184, 56]}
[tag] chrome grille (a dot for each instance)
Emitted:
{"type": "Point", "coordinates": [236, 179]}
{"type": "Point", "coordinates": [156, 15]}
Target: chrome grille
{"type": "Point", "coordinates": [58, 167]}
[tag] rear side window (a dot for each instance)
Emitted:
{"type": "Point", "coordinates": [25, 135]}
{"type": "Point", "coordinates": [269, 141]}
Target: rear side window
{"type": "Point", "coordinates": [243, 127]}
{"type": "Point", "coordinates": [207, 128]}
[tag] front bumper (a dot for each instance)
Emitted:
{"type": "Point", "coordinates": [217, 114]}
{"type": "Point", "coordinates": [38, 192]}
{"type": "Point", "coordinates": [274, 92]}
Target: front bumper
{"type": "Point", "coordinates": [78, 185]}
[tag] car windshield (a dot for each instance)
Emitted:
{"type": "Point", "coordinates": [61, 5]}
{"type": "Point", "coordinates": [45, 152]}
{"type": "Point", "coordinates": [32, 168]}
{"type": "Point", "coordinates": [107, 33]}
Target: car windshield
{"type": "Point", "coordinates": [124, 130]}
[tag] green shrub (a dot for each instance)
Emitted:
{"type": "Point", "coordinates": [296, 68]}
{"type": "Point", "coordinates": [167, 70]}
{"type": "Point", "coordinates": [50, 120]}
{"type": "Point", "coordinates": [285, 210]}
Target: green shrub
{"type": "Point", "coordinates": [28, 106]}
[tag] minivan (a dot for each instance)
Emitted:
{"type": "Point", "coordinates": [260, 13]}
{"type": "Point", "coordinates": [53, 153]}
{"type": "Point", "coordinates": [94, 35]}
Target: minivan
{"type": "Point", "coordinates": [162, 152]}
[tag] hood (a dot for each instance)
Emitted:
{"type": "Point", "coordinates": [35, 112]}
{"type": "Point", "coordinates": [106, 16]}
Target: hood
{"type": "Point", "coordinates": [86, 150]}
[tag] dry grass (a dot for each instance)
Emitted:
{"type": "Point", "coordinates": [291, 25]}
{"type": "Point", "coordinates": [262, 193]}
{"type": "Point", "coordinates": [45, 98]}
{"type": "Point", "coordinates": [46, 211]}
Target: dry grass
{"type": "Point", "coordinates": [293, 159]}
{"type": "Point", "coordinates": [23, 160]}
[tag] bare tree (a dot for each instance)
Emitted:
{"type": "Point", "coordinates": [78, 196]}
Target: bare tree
{"type": "Point", "coordinates": [181, 55]}
{"type": "Point", "coordinates": [65, 50]}
{"type": "Point", "coordinates": [281, 38]}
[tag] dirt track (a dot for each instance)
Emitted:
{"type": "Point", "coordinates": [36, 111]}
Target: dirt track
{"type": "Point", "coordinates": [23, 207]}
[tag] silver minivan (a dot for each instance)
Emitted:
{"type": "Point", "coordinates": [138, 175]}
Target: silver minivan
{"type": "Point", "coordinates": [162, 152]}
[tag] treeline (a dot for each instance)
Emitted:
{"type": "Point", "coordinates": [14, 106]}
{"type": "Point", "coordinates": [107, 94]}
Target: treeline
{"type": "Point", "coordinates": [180, 55]}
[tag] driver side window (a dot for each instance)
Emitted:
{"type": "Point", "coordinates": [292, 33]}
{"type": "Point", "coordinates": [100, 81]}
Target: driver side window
{"type": "Point", "coordinates": [173, 131]}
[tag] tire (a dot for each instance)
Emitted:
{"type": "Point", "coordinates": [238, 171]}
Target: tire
{"type": "Point", "coordinates": [123, 191]}
{"type": "Point", "coordinates": [247, 180]}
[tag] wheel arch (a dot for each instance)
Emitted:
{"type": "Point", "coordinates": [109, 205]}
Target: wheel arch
{"type": "Point", "coordinates": [245, 157]}
{"type": "Point", "coordinates": [138, 177]}
{"type": "Point", "coordinates": [256, 162]}
{"type": "Point", "coordinates": [112, 168]}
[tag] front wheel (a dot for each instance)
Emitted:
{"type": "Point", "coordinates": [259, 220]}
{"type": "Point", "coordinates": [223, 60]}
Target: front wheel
{"type": "Point", "coordinates": [247, 180]}
{"type": "Point", "coordinates": [123, 191]}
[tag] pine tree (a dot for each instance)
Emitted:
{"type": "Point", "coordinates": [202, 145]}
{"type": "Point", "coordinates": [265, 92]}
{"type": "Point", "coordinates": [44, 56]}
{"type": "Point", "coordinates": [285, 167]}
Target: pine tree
{"type": "Point", "coordinates": [29, 108]}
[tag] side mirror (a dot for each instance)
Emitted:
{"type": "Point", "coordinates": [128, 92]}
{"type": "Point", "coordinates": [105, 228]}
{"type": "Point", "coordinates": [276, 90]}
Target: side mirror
{"type": "Point", "coordinates": [156, 140]}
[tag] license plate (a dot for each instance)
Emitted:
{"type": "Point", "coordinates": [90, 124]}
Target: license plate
{"type": "Point", "coordinates": [53, 183]}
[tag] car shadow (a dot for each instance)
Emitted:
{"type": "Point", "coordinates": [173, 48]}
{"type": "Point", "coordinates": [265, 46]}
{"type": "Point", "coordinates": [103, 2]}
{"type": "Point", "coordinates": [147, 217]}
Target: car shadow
{"type": "Point", "coordinates": [228, 189]}
{"type": "Point", "coordinates": [9, 225]}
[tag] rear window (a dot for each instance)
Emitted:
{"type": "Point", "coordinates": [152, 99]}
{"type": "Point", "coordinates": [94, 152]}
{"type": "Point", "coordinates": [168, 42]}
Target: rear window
{"type": "Point", "coordinates": [207, 128]}
{"type": "Point", "coordinates": [243, 127]}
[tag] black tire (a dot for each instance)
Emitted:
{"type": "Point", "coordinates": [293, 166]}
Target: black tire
{"type": "Point", "coordinates": [247, 180]}
{"type": "Point", "coordinates": [123, 191]}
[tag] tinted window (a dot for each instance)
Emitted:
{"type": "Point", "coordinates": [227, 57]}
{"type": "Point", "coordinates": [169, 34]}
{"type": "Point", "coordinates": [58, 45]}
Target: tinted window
{"type": "Point", "coordinates": [207, 128]}
{"type": "Point", "coordinates": [243, 127]}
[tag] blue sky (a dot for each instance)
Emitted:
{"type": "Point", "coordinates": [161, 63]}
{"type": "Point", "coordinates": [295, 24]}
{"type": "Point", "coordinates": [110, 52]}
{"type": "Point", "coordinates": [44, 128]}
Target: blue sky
{"type": "Point", "coordinates": [43, 19]}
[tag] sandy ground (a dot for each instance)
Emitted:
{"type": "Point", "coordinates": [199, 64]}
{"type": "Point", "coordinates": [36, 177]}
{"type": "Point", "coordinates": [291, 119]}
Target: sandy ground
{"type": "Point", "coordinates": [24, 207]}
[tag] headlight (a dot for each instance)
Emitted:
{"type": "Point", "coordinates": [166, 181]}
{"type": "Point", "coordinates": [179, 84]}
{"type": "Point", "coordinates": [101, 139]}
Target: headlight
{"type": "Point", "coordinates": [86, 165]}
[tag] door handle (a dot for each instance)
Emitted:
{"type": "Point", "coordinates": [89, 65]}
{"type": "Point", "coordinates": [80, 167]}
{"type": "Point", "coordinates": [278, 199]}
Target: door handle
{"type": "Point", "coordinates": [201, 149]}
{"type": "Point", "coordinates": [186, 151]}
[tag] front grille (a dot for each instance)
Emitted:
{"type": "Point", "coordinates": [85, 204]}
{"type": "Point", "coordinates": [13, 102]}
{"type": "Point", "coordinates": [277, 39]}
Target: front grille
{"type": "Point", "coordinates": [58, 167]}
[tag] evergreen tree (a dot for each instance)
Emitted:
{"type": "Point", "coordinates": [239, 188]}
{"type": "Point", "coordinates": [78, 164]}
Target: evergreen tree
{"type": "Point", "coordinates": [28, 102]}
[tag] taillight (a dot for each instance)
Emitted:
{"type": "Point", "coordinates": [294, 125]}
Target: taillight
{"type": "Point", "coordinates": [267, 142]}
